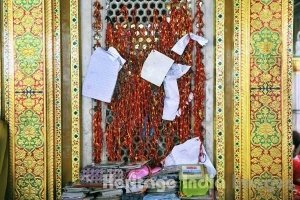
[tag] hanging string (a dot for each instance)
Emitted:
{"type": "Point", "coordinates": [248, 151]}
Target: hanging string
{"type": "Point", "coordinates": [199, 90]}
{"type": "Point", "coordinates": [97, 24]}
{"type": "Point", "coordinates": [97, 117]}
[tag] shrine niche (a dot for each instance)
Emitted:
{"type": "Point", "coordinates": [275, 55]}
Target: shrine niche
{"type": "Point", "coordinates": [247, 105]}
{"type": "Point", "coordinates": [134, 126]}
{"type": "Point", "coordinates": [130, 126]}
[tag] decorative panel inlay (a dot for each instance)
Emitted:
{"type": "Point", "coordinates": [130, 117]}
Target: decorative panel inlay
{"type": "Point", "coordinates": [31, 78]}
{"type": "Point", "coordinates": [75, 87]}
{"type": "Point", "coordinates": [237, 99]}
{"type": "Point", "coordinates": [262, 99]}
{"type": "Point", "coordinates": [57, 97]}
{"type": "Point", "coordinates": [28, 118]}
{"type": "Point", "coordinates": [219, 123]}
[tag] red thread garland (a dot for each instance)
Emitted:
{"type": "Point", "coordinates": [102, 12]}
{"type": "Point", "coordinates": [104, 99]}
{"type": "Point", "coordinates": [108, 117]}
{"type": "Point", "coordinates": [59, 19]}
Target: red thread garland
{"type": "Point", "coordinates": [137, 129]}
{"type": "Point", "coordinates": [97, 117]}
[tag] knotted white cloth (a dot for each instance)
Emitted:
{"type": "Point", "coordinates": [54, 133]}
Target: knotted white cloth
{"type": "Point", "coordinates": [188, 153]}
{"type": "Point", "coordinates": [171, 101]}
{"type": "Point", "coordinates": [159, 68]}
{"type": "Point", "coordinates": [172, 98]}
{"type": "Point", "coordinates": [180, 46]}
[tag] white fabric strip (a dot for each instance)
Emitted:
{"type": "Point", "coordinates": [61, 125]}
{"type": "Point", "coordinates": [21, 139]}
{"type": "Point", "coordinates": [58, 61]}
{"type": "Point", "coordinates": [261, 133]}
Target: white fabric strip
{"type": "Point", "coordinates": [180, 46]}
{"type": "Point", "coordinates": [172, 97]}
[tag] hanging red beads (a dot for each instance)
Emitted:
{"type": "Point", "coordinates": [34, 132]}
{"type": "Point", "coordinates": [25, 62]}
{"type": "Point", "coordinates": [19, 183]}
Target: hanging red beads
{"type": "Point", "coordinates": [137, 131]}
{"type": "Point", "coordinates": [97, 118]}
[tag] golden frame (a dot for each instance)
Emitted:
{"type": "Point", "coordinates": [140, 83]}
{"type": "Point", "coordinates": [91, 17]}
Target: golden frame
{"type": "Point", "coordinates": [75, 87]}
{"type": "Point", "coordinates": [41, 98]}
{"type": "Point", "coordinates": [51, 122]}
{"type": "Point", "coordinates": [219, 110]}
{"type": "Point", "coordinates": [243, 114]}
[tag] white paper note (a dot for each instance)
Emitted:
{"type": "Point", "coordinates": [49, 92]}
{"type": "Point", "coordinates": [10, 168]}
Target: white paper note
{"type": "Point", "coordinates": [156, 67]}
{"type": "Point", "coordinates": [180, 46]}
{"type": "Point", "coordinates": [102, 74]}
{"type": "Point", "coordinates": [172, 97]}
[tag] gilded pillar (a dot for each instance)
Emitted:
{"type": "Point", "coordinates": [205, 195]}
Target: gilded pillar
{"type": "Point", "coordinates": [32, 93]}
{"type": "Point", "coordinates": [262, 99]}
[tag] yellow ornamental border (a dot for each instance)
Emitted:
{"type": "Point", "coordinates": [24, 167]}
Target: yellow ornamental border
{"type": "Point", "coordinates": [219, 110]}
{"type": "Point", "coordinates": [75, 87]}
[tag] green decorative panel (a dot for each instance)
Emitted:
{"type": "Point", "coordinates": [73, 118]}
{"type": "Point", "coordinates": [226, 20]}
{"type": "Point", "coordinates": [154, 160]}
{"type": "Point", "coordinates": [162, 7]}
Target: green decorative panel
{"type": "Point", "coordinates": [27, 4]}
{"type": "Point", "coordinates": [265, 44]}
{"type": "Point", "coordinates": [29, 135]}
{"type": "Point", "coordinates": [265, 129]}
{"type": "Point", "coordinates": [29, 52]}
{"type": "Point", "coordinates": [30, 187]}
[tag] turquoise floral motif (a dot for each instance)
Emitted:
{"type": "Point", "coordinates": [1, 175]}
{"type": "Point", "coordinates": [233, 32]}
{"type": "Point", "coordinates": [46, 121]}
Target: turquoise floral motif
{"type": "Point", "coordinates": [28, 53]}
{"type": "Point", "coordinates": [265, 44]}
{"type": "Point", "coordinates": [266, 187]}
{"type": "Point", "coordinates": [27, 4]}
{"type": "Point", "coordinates": [29, 131]}
{"type": "Point", "coordinates": [265, 132]}
{"type": "Point", "coordinates": [29, 187]}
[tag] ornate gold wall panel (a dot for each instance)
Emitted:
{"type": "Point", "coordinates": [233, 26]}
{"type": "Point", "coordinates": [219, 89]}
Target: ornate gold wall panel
{"type": "Point", "coordinates": [5, 52]}
{"type": "Point", "coordinates": [32, 96]}
{"type": "Point", "coordinates": [219, 111]}
{"type": "Point", "coordinates": [262, 99]}
{"type": "Point", "coordinates": [75, 87]}
{"type": "Point", "coordinates": [57, 98]}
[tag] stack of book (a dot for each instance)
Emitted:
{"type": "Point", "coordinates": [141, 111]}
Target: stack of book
{"type": "Point", "coordinates": [78, 192]}
{"type": "Point", "coordinates": [134, 190]}
{"type": "Point", "coordinates": [111, 194]}
{"type": "Point", "coordinates": [164, 184]}
{"type": "Point", "coordinates": [72, 193]}
{"type": "Point", "coordinates": [104, 174]}
{"type": "Point", "coordinates": [133, 165]}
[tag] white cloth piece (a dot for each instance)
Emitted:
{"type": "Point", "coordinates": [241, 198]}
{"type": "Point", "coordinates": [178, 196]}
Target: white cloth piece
{"type": "Point", "coordinates": [297, 101]}
{"type": "Point", "coordinates": [180, 46]}
{"type": "Point", "coordinates": [102, 74]}
{"type": "Point", "coordinates": [188, 153]}
{"type": "Point", "coordinates": [171, 102]}
{"type": "Point", "coordinates": [190, 99]}
{"type": "Point", "coordinates": [156, 67]}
